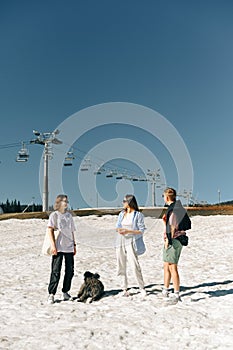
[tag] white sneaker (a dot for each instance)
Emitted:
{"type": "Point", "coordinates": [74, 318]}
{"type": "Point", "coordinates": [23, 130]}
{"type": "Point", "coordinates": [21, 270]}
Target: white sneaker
{"type": "Point", "coordinates": [174, 297]}
{"type": "Point", "coordinates": [124, 293]}
{"type": "Point", "coordinates": [165, 293]}
{"type": "Point", "coordinates": [143, 293]}
{"type": "Point", "coordinates": [50, 299]}
{"type": "Point", "coordinates": [67, 296]}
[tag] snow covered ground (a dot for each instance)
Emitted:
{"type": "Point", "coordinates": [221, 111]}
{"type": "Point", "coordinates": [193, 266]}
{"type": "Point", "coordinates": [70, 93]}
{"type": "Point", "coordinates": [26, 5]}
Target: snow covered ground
{"type": "Point", "coordinates": [203, 320]}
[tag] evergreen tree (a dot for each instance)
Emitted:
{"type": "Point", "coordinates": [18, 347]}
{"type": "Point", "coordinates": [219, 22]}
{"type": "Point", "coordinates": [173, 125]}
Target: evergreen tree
{"type": "Point", "coordinates": [14, 207]}
{"type": "Point", "coordinates": [7, 206]}
{"type": "Point", "coordinates": [18, 207]}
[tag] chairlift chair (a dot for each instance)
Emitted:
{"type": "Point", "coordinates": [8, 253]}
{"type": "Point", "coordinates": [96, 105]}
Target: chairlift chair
{"type": "Point", "coordinates": [98, 170]}
{"type": "Point", "coordinates": [69, 158]}
{"type": "Point", "coordinates": [142, 179]}
{"type": "Point", "coordinates": [126, 177]}
{"type": "Point", "coordinates": [23, 154]}
{"type": "Point", "coordinates": [67, 162]}
{"type": "Point", "coordinates": [86, 165]}
{"type": "Point", "coordinates": [109, 174]}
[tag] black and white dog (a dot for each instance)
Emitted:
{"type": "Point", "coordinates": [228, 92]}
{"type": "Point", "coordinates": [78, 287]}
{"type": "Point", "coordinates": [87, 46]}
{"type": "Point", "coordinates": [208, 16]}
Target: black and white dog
{"type": "Point", "coordinates": [92, 289]}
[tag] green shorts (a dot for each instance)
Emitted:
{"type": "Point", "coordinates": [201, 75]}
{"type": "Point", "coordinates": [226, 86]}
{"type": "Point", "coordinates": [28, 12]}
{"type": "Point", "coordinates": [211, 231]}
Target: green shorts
{"type": "Point", "coordinates": [172, 253]}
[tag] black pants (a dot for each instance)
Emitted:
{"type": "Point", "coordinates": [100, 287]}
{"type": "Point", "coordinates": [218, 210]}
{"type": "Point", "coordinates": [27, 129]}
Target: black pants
{"type": "Point", "coordinates": [56, 272]}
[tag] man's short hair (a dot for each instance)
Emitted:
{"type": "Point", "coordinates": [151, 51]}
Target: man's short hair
{"type": "Point", "coordinates": [170, 193]}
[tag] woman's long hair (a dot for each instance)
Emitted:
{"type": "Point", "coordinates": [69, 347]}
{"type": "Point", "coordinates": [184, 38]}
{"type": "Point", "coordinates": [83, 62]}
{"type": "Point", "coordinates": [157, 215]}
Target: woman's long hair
{"type": "Point", "coordinates": [58, 200]}
{"type": "Point", "coordinates": [131, 200]}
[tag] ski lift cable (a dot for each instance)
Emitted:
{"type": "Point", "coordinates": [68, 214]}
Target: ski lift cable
{"type": "Point", "coordinates": [13, 145]}
{"type": "Point", "coordinates": [97, 161]}
{"type": "Point", "coordinates": [111, 167]}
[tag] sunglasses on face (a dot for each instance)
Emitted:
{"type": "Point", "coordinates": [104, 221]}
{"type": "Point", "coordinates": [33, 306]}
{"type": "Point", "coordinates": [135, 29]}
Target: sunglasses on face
{"type": "Point", "coordinates": [124, 201]}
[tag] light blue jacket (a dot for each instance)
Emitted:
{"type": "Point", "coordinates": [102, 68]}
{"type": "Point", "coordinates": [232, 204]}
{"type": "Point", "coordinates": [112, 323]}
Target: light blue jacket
{"type": "Point", "coordinates": [137, 224]}
{"type": "Point", "coordinates": [138, 221]}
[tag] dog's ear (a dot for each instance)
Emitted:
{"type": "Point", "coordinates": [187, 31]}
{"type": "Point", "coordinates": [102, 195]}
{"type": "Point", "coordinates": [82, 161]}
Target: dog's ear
{"type": "Point", "coordinates": [87, 274]}
{"type": "Point", "coordinates": [96, 275]}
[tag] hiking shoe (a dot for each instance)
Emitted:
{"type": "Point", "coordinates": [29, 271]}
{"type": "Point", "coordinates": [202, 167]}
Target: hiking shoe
{"type": "Point", "coordinates": [50, 299]}
{"type": "Point", "coordinates": [67, 296]}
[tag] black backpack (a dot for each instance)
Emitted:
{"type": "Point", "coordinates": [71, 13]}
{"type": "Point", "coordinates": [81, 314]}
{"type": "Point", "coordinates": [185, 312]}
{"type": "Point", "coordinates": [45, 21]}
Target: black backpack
{"type": "Point", "coordinates": [185, 223]}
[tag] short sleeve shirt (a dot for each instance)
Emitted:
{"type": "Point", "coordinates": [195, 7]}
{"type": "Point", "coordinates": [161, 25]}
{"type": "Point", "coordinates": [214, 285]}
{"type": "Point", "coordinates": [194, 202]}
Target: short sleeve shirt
{"type": "Point", "coordinates": [173, 222]}
{"type": "Point", "coordinates": [65, 224]}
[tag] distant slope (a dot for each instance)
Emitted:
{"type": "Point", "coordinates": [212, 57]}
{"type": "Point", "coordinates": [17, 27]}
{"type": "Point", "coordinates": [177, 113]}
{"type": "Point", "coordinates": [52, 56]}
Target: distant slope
{"type": "Point", "coordinates": [147, 211]}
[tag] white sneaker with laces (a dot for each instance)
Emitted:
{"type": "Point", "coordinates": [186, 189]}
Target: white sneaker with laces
{"type": "Point", "coordinates": [67, 296]}
{"type": "Point", "coordinates": [50, 299]}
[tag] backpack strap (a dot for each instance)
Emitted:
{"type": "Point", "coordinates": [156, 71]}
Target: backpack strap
{"type": "Point", "coordinates": [168, 228]}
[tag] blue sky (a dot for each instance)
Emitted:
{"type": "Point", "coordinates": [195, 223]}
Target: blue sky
{"type": "Point", "coordinates": [59, 57]}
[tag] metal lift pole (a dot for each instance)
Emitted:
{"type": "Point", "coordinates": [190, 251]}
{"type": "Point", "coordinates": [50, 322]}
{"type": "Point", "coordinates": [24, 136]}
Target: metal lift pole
{"type": "Point", "coordinates": [46, 139]}
{"type": "Point", "coordinates": [46, 179]}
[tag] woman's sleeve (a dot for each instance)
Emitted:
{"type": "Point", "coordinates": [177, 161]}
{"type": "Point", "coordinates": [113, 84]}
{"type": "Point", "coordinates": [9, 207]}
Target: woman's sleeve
{"type": "Point", "coordinates": [140, 222]}
{"type": "Point", "coordinates": [72, 224]}
{"type": "Point", "coordinates": [118, 224]}
{"type": "Point", "coordinates": [51, 222]}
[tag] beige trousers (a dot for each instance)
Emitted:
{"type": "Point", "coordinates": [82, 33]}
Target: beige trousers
{"type": "Point", "coordinates": [125, 252]}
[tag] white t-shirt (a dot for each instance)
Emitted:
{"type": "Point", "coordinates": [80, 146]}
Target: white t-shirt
{"type": "Point", "coordinates": [65, 224]}
{"type": "Point", "coordinates": [127, 223]}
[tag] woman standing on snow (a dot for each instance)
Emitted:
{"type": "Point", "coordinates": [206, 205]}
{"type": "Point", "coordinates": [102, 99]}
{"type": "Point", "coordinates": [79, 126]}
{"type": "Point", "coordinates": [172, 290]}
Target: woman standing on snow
{"type": "Point", "coordinates": [130, 227]}
{"type": "Point", "coordinates": [64, 246]}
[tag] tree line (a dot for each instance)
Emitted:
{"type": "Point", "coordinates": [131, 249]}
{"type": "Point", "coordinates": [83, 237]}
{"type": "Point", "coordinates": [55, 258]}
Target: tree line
{"type": "Point", "coordinates": [15, 206]}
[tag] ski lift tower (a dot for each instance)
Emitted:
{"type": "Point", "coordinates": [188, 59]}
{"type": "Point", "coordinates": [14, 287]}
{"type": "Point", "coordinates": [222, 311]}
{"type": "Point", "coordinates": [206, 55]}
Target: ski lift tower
{"type": "Point", "coordinates": [154, 178]}
{"type": "Point", "coordinates": [46, 139]}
